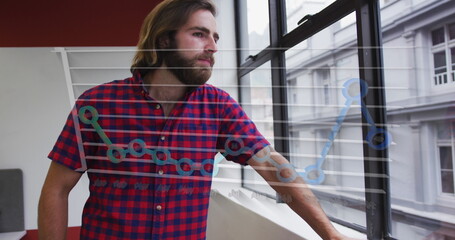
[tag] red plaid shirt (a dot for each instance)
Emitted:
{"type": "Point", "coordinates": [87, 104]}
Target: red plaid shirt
{"type": "Point", "coordinates": [150, 176]}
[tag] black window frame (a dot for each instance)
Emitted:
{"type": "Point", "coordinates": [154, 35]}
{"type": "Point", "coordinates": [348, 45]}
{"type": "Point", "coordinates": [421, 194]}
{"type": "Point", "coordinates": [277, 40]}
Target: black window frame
{"type": "Point", "coordinates": [369, 43]}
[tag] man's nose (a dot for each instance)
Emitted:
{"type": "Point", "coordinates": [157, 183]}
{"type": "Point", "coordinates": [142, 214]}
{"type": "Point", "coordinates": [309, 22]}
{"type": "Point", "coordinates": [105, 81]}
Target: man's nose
{"type": "Point", "coordinates": [212, 46]}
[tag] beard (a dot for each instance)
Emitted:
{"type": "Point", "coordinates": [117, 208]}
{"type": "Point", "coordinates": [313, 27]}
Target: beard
{"type": "Point", "coordinates": [186, 69]}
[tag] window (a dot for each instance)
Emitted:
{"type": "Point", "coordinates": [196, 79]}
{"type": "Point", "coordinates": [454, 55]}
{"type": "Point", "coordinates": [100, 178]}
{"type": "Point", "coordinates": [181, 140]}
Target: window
{"type": "Point", "coordinates": [328, 150]}
{"type": "Point", "coordinates": [446, 148]}
{"type": "Point", "coordinates": [443, 50]}
{"type": "Point", "coordinates": [452, 31]}
{"type": "Point", "coordinates": [256, 92]}
{"type": "Point", "coordinates": [319, 67]}
{"type": "Point", "coordinates": [438, 36]}
{"type": "Point", "coordinates": [314, 126]}
{"type": "Point", "coordinates": [452, 56]}
{"type": "Point", "coordinates": [255, 30]}
{"type": "Point", "coordinates": [447, 177]}
{"type": "Point", "coordinates": [323, 79]}
{"type": "Point", "coordinates": [440, 68]}
{"type": "Point", "coordinates": [293, 91]}
{"type": "Point", "coordinates": [297, 9]}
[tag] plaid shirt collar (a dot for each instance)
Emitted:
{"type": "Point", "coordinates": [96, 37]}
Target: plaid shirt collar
{"type": "Point", "coordinates": [140, 85]}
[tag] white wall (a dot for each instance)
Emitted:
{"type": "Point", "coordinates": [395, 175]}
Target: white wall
{"type": "Point", "coordinates": [34, 104]}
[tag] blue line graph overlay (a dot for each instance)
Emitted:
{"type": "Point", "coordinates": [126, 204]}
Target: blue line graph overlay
{"type": "Point", "coordinates": [138, 148]}
{"type": "Point", "coordinates": [372, 135]}
{"type": "Point", "coordinates": [377, 138]}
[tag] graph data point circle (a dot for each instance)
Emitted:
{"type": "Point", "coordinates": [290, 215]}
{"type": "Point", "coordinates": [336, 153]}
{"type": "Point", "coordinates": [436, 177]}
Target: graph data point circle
{"type": "Point", "coordinates": [362, 91]}
{"type": "Point", "coordinates": [234, 146]}
{"type": "Point", "coordinates": [183, 172]}
{"type": "Point", "coordinates": [116, 154]}
{"type": "Point", "coordinates": [214, 166]}
{"type": "Point", "coordinates": [283, 167]}
{"type": "Point", "coordinates": [135, 145]}
{"type": "Point", "coordinates": [93, 114]}
{"type": "Point", "coordinates": [379, 139]}
{"type": "Point", "coordinates": [313, 169]}
{"type": "Point", "coordinates": [159, 161]}
{"type": "Point", "coordinates": [264, 158]}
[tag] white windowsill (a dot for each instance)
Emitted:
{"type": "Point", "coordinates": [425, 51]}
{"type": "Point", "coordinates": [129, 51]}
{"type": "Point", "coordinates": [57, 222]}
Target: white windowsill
{"type": "Point", "coordinates": [280, 214]}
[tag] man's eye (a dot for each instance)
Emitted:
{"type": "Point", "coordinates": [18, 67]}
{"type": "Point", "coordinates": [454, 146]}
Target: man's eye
{"type": "Point", "coordinates": [198, 34]}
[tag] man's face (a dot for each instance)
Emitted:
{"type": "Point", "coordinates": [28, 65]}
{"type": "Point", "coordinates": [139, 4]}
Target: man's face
{"type": "Point", "coordinates": [195, 43]}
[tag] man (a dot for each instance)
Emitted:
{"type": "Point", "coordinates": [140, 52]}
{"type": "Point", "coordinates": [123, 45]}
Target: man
{"type": "Point", "coordinates": [145, 139]}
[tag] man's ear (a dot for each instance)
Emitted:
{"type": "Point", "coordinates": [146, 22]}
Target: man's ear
{"type": "Point", "coordinates": [164, 42]}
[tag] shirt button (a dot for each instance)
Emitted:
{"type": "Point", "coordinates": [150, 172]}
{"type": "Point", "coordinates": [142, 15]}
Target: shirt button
{"type": "Point", "coordinates": [157, 106]}
{"type": "Point", "coordinates": [163, 138]}
{"type": "Point", "coordinates": [159, 207]}
{"type": "Point", "coordinates": [160, 172]}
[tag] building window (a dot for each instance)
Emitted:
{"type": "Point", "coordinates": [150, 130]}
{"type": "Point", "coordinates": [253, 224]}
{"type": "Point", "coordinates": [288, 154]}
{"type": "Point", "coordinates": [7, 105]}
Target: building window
{"type": "Point", "coordinates": [324, 80]}
{"type": "Point", "coordinates": [440, 68]}
{"type": "Point", "coordinates": [446, 147]}
{"type": "Point", "coordinates": [447, 178]}
{"type": "Point", "coordinates": [437, 36]}
{"type": "Point", "coordinates": [452, 54]}
{"type": "Point", "coordinates": [293, 91]}
{"type": "Point", "coordinates": [452, 31]}
{"type": "Point", "coordinates": [443, 50]}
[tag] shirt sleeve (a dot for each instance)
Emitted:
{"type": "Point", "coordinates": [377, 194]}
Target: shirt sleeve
{"type": "Point", "coordinates": [69, 149]}
{"type": "Point", "coordinates": [239, 139]}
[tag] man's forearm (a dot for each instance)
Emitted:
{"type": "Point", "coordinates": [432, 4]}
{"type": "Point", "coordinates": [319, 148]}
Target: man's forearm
{"type": "Point", "coordinates": [296, 193]}
{"type": "Point", "coordinates": [53, 204]}
{"type": "Point", "coordinates": [302, 201]}
{"type": "Point", "coordinates": [52, 216]}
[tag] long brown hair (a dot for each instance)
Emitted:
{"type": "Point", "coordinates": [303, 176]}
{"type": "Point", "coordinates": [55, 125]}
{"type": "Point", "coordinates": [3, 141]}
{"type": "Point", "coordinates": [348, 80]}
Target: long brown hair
{"type": "Point", "coordinates": [163, 21]}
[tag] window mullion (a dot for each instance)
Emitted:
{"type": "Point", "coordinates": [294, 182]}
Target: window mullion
{"type": "Point", "coordinates": [277, 21]}
{"type": "Point", "coordinates": [448, 55]}
{"type": "Point", "coordinates": [378, 212]}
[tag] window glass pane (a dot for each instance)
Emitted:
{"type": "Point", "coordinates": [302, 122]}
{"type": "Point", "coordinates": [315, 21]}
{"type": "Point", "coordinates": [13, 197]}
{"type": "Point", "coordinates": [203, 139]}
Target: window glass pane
{"type": "Point", "coordinates": [297, 9]}
{"type": "Point", "coordinates": [447, 181]}
{"type": "Point", "coordinates": [256, 91]}
{"type": "Point", "coordinates": [439, 62]}
{"type": "Point", "coordinates": [437, 36]}
{"type": "Point", "coordinates": [440, 68]}
{"type": "Point", "coordinates": [446, 166]}
{"type": "Point", "coordinates": [348, 20]}
{"type": "Point", "coordinates": [322, 80]}
{"type": "Point", "coordinates": [452, 31]}
{"type": "Point", "coordinates": [452, 55]}
{"type": "Point", "coordinates": [444, 130]}
{"type": "Point", "coordinates": [445, 155]}
{"type": "Point", "coordinates": [254, 27]}
{"type": "Point", "coordinates": [419, 132]}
